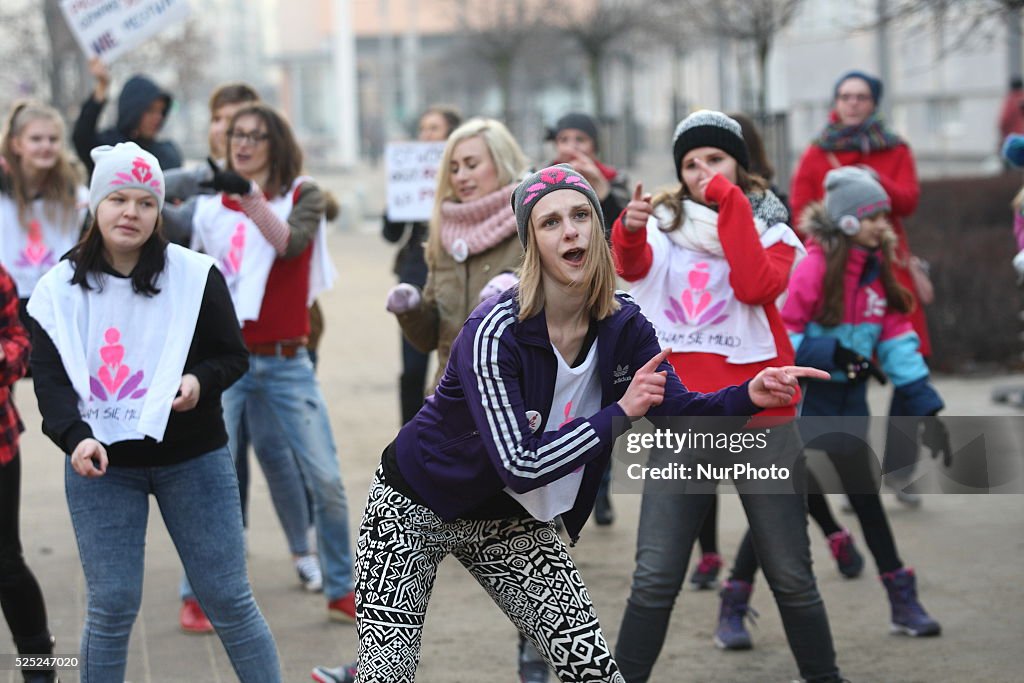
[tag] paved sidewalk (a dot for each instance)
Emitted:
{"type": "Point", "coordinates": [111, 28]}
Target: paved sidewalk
{"type": "Point", "coordinates": [968, 551]}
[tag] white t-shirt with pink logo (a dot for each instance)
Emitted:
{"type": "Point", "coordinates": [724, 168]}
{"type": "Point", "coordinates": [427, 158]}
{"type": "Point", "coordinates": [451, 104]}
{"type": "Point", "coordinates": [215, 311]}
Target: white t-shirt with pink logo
{"type": "Point", "coordinates": [577, 394]}
{"type": "Point", "coordinates": [687, 296]}
{"type": "Point", "coordinates": [244, 255]}
{"type": "Point", "coordinates": [124, 352]}
{"type": "Point", "coordinates": [28, 250]}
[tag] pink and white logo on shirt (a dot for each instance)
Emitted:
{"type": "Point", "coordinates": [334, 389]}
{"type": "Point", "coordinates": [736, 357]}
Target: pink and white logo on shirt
{"type": "Point", "coordinates": [697, 307]}
{"type": "Point", "coordinates": [114, 377]}
{"type": "Point", "coordinates": [231, 264]}
{"type": "Point", "coordinates": [36, 253]}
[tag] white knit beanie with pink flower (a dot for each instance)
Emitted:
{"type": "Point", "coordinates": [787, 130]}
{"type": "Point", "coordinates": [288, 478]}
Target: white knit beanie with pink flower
{"type": "Point", "coordinates": [125, 166]}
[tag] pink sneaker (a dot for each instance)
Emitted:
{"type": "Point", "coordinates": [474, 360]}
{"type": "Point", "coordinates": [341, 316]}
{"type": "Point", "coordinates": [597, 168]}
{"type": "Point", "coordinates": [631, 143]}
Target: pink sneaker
{"type": "Point", "coordinates": [847, 558]}
{"type": "Point", "coordinates": [706, 573]}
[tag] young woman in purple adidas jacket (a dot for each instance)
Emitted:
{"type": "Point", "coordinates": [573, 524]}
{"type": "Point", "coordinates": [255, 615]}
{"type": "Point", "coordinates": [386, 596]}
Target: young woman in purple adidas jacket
{"type": "Point", "coordinates": [518, 432]}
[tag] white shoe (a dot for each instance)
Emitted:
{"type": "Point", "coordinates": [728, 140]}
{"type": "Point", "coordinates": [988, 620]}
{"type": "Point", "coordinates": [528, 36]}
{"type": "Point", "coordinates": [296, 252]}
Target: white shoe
{"type": "Point", "coordinates": [308, 568]}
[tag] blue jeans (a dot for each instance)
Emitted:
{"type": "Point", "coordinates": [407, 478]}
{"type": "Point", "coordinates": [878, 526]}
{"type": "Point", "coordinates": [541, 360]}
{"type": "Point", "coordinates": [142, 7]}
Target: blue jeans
{"type": "Point", "coordinates": [198, 501]}
{"type": "Point", "coordinates": [284, 479]}
{"type": "Point", "coordinates": [287, 490]}
{"type": "Point", "coordinates": [283, 404]}
{"type": "Point", "coordinates": [669, 525]}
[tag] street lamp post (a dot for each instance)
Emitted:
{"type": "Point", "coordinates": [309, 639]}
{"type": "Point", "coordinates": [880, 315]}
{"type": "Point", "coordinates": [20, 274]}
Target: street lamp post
{"type": "Point", "coordinates": [343, 55]}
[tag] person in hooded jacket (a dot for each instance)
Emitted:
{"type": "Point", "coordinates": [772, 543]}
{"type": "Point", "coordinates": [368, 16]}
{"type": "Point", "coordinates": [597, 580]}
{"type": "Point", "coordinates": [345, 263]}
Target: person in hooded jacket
{"type": "Point", "coordinates": [577, 143]}
{"type": "Point", "coordinates": [142, 108]}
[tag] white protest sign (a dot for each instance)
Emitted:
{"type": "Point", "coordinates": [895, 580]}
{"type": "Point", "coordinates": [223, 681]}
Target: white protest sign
{"type": "Point", "coordinates": [412, 179]}
{"type": "Point", "coordinates": [109, 28]}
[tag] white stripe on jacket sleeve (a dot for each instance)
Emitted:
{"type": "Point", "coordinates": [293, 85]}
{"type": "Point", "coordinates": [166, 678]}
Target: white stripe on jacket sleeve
{"type": "Point", "coordinates": [501, 418]}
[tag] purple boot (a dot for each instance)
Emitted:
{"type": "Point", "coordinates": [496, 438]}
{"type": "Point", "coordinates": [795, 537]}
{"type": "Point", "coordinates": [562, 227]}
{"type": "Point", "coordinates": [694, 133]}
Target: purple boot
{"type": "Point", "coordinates": [732, 633]}
{"type": "Point", "coordinates": [908, 616]}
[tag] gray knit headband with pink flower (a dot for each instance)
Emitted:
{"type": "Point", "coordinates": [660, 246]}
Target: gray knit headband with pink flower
{"type": "Point", "coordinates": [546, 181]}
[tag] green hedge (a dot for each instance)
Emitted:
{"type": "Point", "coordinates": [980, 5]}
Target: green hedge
{"type": "Point", "coordinates": [964, 228]}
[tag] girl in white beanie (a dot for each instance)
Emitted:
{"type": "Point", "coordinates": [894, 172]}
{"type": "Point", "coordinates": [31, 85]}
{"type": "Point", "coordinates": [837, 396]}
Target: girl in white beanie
{"type": "Point", "coordinates": [134, 342]}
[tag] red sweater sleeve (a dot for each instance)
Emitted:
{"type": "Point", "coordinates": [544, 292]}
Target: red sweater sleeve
{"type": "Point", "coordinates": [900, 182]}
{"type": "Point", "coordinates": [631, 252]}
{"type": "Point", "coordinates": [807, 184]}
{"type": "Point", "coordinates": [757, 275]}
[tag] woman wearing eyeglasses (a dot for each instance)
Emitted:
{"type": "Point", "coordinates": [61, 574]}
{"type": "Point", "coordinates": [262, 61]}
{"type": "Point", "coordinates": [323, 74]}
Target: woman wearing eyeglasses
{"type": "Point", "coordinates": [266, 231]}
{"type": "Point", "coordinates": [856, 135]}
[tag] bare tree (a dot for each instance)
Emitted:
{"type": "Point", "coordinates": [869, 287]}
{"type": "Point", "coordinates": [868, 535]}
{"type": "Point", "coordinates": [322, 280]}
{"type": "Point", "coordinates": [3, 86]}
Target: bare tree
{"type": "Point", "coordinates": [42, 59]}
{"type": "Point", "coordinates": [66, 66]}
{"type": "Point", "coordinates": [960, 25]}
{"type": "Point", "coordinates": [755, 22]}
{"type": "Point", "coordinates": [598, 26]}
{"type": "Point", "coordinates": [22, 52]}
{"type": "Point", "coordinates": [498, 33]}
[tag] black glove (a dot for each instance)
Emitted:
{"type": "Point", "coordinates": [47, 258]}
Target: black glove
{"type": "Point", "coordinates": [935, 436]}
{"type": "Point", "coordinates": [224, 180]}
{"type": "Point", "coordinates": [856, 367]}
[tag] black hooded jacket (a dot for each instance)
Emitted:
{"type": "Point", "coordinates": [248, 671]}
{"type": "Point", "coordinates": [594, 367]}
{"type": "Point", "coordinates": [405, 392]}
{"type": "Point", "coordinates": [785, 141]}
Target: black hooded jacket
{"type": "Point", "coordinates": [136, 96]}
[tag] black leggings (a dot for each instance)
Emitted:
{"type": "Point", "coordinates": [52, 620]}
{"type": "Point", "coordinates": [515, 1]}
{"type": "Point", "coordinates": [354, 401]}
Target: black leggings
{"type": "Point", "coordinates": [20, 597]}
{"type": "Point", "coordinates": [708, 537]}
{"type": "Point", "coordinates": [856, 475]}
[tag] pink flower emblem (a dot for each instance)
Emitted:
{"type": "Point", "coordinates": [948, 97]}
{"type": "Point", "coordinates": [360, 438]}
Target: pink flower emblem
{"type": "Point", "coordinates": [114, 374]}
{"type": "Point", "coordinates": [697, 308]}
{"type": "Point", "coordinates": [552, 176]}
{"type": "Point", "coordinates": [35, 254]}
{"type": "Point", "coordinates": [141, 173]}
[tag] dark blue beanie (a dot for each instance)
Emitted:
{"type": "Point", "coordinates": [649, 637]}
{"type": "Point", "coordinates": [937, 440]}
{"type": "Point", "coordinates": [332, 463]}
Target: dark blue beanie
{"type": "Point", "coordinates": [874, 84]}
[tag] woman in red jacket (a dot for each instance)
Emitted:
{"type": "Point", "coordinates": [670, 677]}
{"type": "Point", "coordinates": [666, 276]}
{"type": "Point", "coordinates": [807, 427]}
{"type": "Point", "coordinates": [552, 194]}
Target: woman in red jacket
{"type": "Point", "coordinates": [856, 136]}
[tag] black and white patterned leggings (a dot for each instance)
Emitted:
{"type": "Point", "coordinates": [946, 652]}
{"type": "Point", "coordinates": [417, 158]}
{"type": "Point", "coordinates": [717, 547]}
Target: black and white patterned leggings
{"type": "Point", "coordinates": [520, 562]}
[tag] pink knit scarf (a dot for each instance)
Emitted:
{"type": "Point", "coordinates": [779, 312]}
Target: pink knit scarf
{"type": "Point", "coordinates": [480, 224]}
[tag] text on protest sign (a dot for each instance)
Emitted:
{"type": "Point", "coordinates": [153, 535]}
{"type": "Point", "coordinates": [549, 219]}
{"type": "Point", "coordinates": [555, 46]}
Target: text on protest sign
{"type": "Point", "coordinates": [110, 28]}
{"type": "Point", "coordinates": [412, 179]}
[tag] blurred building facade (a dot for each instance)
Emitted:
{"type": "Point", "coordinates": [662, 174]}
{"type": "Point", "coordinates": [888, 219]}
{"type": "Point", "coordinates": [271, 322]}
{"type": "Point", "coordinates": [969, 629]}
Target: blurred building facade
{"type": "Point", "coordinates": [944, 102]}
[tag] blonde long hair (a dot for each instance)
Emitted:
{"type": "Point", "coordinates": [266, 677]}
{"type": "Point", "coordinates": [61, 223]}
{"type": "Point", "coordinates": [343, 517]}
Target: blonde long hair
{"type": "Point", "coordinates": [59, 184]}
{"type": "Point", "coordinates": [598, 276]}
{"type": "Point", "coordinates": [509, 162]}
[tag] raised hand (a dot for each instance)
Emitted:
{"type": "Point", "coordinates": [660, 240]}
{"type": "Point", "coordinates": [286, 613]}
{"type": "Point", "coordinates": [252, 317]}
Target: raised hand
{"type": "Point", "coordinates": [402, 298]}
{"type": "Point", "coordinates": [638, 210]}
{"type": "Point", "coordinates": [100, 72]}
{"type": "Point", "coordinates": [498, 284]}
{"type": "Point", "coordinates": [776, 387]}
{"type": "Point", "coordinates": [647, 388]}
{"type": "Point", "coordinates": [708, 176]}
{"type": "Point", "coordinates": [586, 167]}
{"type": "Point", "coordinates": [224, 180]}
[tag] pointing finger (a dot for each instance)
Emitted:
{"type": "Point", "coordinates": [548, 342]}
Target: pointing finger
{"type": "Point", "coordinates": [653, 363]}
{"type": "Point", "coordinates": [802, 371]}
